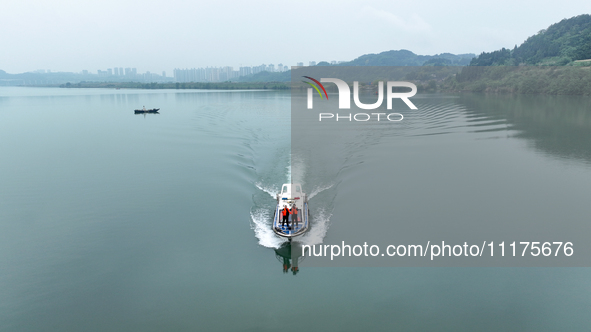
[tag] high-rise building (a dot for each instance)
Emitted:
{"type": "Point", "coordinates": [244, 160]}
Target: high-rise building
{"type": "Point", "coordinates": [300, 64]}
{"type": "Point", "coordinates": [109, 72]}
{"type": "Point", "coordinates": [116, 71]}
{"type": "Point", "coordinates": [226, 73]}
{"type": "Point", "coordinates": [212, 74]}
{"type": "Point", "coordinates": [312, 63]}
{"type": "Point", "coordinates": [258, 69]}
{"type": "Point", "coordinates": [244, 71]}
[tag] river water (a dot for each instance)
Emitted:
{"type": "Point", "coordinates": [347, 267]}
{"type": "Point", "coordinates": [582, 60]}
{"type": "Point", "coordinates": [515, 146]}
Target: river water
{"type": "Point", "coordinates": [122, 222]}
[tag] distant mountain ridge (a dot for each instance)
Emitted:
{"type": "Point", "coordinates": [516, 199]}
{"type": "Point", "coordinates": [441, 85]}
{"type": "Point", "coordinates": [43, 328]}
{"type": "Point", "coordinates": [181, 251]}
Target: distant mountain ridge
{"type": "Point", "coordinates": [401, 58]}
{"type": "Point", "coordinates": [408, 58]}
{"type": "Point", "coordinates": [560, 44]}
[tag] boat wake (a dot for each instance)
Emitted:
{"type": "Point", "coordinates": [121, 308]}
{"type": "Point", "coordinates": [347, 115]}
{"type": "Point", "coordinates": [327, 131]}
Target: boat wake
{"type": "Point", "coordinates": [284, 166]}
{"type": "Point", "coordinates": [261, 225]}
{"type": "Point", "coordinates": [320, 223]}
{"type": "Point", "coordinates": [319, 189]}
{"type": "Point", "coordinates": [271, 191]}
{"type": "Point", "coordinates": [262, 219]}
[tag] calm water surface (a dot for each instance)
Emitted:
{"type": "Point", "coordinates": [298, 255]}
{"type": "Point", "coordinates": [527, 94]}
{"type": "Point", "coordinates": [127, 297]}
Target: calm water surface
{"type": "Point", "coordinates": [111, 221]}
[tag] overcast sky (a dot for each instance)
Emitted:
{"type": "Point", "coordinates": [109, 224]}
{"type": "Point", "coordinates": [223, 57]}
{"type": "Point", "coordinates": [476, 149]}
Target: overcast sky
{"type": "Point", "coordinates": [157, 35]}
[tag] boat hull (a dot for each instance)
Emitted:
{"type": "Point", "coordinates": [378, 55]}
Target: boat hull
{"type": "Point", "coordinates": [154, 110]}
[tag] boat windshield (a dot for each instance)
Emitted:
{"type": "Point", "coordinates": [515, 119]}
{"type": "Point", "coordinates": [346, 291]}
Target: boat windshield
{"type": "Point", "coordinates": [291, 190]}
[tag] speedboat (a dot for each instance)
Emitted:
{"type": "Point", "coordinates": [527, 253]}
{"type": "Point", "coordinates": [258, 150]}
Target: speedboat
{"type": "Point", "coordinates": [292, 197]}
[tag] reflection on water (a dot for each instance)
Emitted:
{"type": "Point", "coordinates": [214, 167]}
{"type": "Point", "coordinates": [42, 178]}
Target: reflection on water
{"type": "Point", "coordinates": [558, 126]}
{"type": "Point", "coordinates": [289, 254]}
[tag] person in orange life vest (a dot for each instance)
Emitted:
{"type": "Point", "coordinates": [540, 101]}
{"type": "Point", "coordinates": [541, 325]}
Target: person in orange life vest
{"type": "Point", "coordinates": [286, 214]}
{"type": "Point", "coordinates": [294, 212]}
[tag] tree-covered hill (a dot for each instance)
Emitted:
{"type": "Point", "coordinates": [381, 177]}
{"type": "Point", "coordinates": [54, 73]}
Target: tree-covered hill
{"type": "Point", "coordinates": [408, 58]}
{"type": "Point", "coordinates": [560, 44]}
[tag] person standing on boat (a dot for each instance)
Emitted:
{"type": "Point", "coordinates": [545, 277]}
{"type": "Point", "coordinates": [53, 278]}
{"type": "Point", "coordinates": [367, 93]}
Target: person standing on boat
{"type": "Point", "coordinates": [294, 215]}
{"type": "Point", "coordinates": [286, 214]}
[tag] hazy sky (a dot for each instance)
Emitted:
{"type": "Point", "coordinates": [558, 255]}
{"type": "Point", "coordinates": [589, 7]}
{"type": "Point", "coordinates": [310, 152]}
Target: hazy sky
{"type": "Point", "coordinates": [157, 35]}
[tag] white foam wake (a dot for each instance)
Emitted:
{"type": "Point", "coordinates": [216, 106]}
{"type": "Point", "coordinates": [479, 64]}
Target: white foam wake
{"type": "Point", "coordinates": [319, 226]}
{"type": "Point", "coordinates": [271, 191]}
{"type": "Point", "coordinates": [318, 190]}
{"type": "Point", "coordinates": [288, 168]}
{"type": "Point", "coordinates": [262, 229]}
{"type": "Point", "coordinates": [297, 170]}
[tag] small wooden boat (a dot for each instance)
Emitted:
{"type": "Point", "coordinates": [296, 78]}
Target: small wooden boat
{"type": "Point", "coordinates": [144, 110]}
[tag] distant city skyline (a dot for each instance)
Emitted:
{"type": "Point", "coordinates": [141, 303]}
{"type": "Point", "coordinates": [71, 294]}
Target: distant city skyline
{"type": "Point", "coordinates": [131, 74]}
{"type": "Point", "coordinates": [115, 71]}
{"type": "Point", "coordinates": [133, 71]}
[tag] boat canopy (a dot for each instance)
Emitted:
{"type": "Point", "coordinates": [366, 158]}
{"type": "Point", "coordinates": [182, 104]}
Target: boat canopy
{"type": "Point", "coordinates": [291, 190]}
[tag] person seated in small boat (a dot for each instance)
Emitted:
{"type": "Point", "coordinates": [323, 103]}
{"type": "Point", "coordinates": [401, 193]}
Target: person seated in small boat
{"type": "Point", "coordinates": [294, 215]}
{"type": "Point", "coordinates": [285, 212]}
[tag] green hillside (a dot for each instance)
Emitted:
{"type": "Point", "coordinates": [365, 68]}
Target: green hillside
{"type": "Point", "coordinates": [562, 43]}
{"type": "Point", "coordinates": [408, 58]}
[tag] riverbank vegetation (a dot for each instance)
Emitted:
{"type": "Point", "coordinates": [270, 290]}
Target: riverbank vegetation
{"type": "Point", "coordinates": [566, 80]}
{"type": "Point", "coordinates": [555, 61]}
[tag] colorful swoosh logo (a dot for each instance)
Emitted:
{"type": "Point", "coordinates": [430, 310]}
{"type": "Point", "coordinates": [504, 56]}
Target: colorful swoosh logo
{"type": "Point", "coordinates": [315, 87]}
